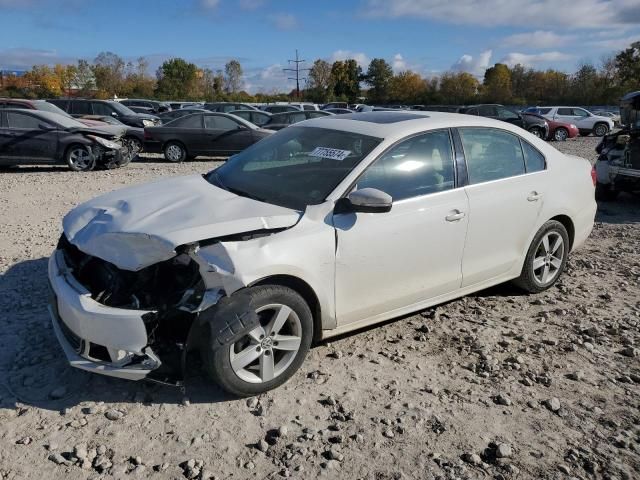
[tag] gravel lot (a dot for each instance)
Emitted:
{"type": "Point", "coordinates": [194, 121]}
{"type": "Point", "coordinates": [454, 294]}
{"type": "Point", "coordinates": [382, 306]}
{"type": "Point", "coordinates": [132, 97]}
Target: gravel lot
{"type": "Point", "coordinates": [495, 385]}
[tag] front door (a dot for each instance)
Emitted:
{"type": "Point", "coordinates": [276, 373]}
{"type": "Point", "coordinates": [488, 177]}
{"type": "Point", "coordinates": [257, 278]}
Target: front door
{"type": "Point", "coordinates": [30, 139]}
{"type": "Point", "coordinates": [505, 200]}
{"type": "Point", "coordinates": [224, 135]}
{"type": "Point", "coordinates": [387, 261]}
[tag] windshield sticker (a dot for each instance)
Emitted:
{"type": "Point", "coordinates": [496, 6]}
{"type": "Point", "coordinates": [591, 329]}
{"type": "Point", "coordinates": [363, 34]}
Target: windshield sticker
{"type": "Point", "coordinates": [331, 153]}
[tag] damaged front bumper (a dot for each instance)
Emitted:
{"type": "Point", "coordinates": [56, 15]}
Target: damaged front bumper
{"type": "Point", "coordinates": [94, 337]}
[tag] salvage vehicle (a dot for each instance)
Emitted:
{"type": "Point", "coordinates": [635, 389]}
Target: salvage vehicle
{"type": "Point", "coordinates": [34, 137]}
{"type": "Point", "coordinates": [618, 164]}
{"type": "Point", "coordinates": [278, 121]}
{"type": "Point", "coordinates": [79, 107]}
{"type": "Point", "coordinates": [533, 124]}
{"type": "Point", "coordinates": [323, 228]}
{"type": "Point", "coordinates": [217, 134]}
{"type": "Point", "coordinates": [586, 121]}
{"type": "Point", "coordinates": [134, 136]}
{"type": "Point", "coordinates": [558, 130]}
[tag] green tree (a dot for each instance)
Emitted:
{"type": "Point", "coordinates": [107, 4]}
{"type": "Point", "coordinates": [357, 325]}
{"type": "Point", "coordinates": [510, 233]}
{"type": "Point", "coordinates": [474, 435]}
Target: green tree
{"type": "Point", "coordinates": [497, 84]}
{"type": "Point", "coordinates": [320, 83]}
{"type": "Point", "coordinates": [628, 66]}
{"type": "Point", "coordinates": [379, 76]}
{"type": "Point", "coordinates": [177, 79]}
{"type": "Point", "coordinates": [346, 76]}
{"type": "Point", "coordinates": [458, 88]}
{"type": "Point", "coordinates": [233, 76]}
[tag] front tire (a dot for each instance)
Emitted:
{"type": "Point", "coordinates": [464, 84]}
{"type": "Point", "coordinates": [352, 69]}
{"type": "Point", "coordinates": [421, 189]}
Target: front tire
{"type": "Point", "coordinates": [175, 152]}
{"type": "Point", "coordinates": [561, 134]}
{"type": "Point", "coordinates": [600, 129]}
{"type": "Point", "coordinates": [79, 158]}
{"type": "Point", "coordinates": [270, 354]}
{"type": "Point", "coordinates": [537, 131]}
{"type": "Point", "coordinates": [546, 258]}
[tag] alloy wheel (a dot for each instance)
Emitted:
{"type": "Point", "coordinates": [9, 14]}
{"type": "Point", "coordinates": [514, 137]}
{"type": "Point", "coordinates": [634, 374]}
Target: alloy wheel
{"type": "Point", "coordinates": [537, 132]}
{"type": "Point", "coordinates": [600, 130]}
{"type": "Point", "coordinates": [80, 158]}
{"type": "Point", "coordinates": [560, 134]}
{"type": "Point", "coordinates": [266, 351]}
{"type": "Point", "coordinates": [548, 259]}
{"type": "Point", "coordinates": [174, 153]}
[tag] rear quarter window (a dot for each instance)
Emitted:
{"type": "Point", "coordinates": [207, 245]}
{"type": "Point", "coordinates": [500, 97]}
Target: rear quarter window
{"type": "Point", "coordinates": [533, 159]}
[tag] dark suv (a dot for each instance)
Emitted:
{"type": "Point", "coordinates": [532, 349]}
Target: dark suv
{"type": "Point", "coordinates": [532, 123]}
{"type": "Point", "coordinates": [149, 106]}
{"type": "Point", "coordinates": [81, 107]}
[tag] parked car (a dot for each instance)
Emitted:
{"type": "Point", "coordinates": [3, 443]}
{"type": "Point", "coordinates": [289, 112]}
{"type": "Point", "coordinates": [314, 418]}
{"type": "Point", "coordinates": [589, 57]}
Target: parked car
{"type": "Point", "coordinates": [586, 121]}
{"type": "Point", "coordinates": [278, 108]}
{"type": "Point", "coordinates": [278, 121]}
{"type": "Point", "coordinates": [559, 131]}
{"type": "Point", "coordinates": [441, 108]}
{"type": "Point", "coordinates": [618, 164]}
{"type": "Point", "coordinates": [323, 228]}
{"type": "Point", "coordinates": [132, 135]}
{"type": "Point", "coordinates": [612, 115]}
{"type": "Point", "coordinates": [152, 106]}
{"type": "Point", "coordinates": [335, 105]}
{"type": "Point", "coordinates": [218, 134]}
{"type": "Point", "coordinates": [36, 137]}
{"type": "Point", "coordinates": [338, 111]}
{"type": "Point", "coordinates": [167, 117]}
{"type": "Point", "coordinates": [533, 124]}
{"type": "Point", "coordinates": [80, 107]}
{"type": "Point", "coordinates": [305, 106]}
{"type": "Point", "coordinates": [256, 117]}
{"type": "Point", "coordinates": [227, 107]}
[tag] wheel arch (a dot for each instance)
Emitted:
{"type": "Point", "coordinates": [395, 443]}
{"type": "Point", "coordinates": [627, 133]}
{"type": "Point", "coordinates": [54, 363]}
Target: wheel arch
{"type": "Point", "coordinates": [304, 290]}
{"type": "Point", "coordinates": [566, 221]}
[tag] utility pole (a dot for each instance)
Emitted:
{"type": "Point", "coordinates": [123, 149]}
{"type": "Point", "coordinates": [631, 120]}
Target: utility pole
{"type": "Point", "coordinates": [297, 71]}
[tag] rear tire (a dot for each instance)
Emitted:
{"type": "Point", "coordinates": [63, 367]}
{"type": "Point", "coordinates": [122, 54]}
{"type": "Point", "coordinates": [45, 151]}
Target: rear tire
{"type": "Point", "coordinates": [270, 364]}
{"type": "Point", "coordinates": [561, 134]}
{"type": "Point", "coordinates": [175, 152]}
{"type": "Point", "coordinates": [605, 193]}
{"type": "Point", "coordinates": [546, 258]}
{"type": "Point", "coordinates": [79, 158]}
{"type": "Point", "coordinates": [537, 131]}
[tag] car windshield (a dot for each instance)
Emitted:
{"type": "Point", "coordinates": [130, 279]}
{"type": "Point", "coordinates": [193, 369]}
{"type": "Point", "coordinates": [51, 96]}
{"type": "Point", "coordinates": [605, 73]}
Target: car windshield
{"type": "Point", "coordinates": [121, 109]}
{"type": "Point", "coordinates": [296, 167]}
{"type": "Point", "coordinates": [50, 107]}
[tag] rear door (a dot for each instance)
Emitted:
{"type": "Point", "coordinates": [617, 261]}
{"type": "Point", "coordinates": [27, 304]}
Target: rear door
{"type": "Point", "coordinates": [30, 139]}
{"type": "Point", "coordinates": [565, 114]}
{"type": "Point", "coordinates": [581, 119]}
{"type": "Point", "coordinates": [224, 135]}
{"type": "Point", "coordinates": [507, 186]}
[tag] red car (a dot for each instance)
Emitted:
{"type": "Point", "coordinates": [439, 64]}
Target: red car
{"type": "Point", "coordinates": [557, 130]}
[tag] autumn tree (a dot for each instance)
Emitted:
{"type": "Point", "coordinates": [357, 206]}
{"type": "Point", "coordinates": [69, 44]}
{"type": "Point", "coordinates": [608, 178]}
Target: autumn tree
{"type": "Point", "coordinates": [407, 87]}
{"type": "Point", "coordinates": [84, 79]}
{"type": "Point", "coordinates": [43, 81]}
{"type": "Point", "coordinates": [458, 88]}
{"type": "Point", "coordinates": [346, 76]}
{"type": "Point", "coordinates": [379, 76]}
{"type": "Point", "coordinates": [320, 82]}
{"type": "Point", "coordinates": [108, 71]}
{"type": "Point", "coordinates": [497, 84]}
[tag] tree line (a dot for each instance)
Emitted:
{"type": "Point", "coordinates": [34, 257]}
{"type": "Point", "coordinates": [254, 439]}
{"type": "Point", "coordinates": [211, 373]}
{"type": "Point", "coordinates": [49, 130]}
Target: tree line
{"type": "Point", "coordinates": [342, 80]}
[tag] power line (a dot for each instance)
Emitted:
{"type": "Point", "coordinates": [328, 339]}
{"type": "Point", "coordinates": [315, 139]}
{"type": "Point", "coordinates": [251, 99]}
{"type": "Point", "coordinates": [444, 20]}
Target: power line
{"type": "Point", "coordinates": [297, 71]}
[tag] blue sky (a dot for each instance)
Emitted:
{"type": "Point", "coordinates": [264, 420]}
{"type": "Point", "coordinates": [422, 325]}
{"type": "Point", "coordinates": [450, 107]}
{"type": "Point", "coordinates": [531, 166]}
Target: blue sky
{"type": "Point", "coordinates": [427, 36]}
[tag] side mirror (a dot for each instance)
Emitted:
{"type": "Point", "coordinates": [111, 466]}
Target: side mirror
{"type": "Point", "coordinates": [367, 200]}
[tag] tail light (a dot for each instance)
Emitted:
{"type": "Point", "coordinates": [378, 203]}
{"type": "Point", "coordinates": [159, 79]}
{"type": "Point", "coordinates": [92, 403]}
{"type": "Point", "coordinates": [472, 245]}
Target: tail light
{"type": "Point", "coordinates": [594, 175]}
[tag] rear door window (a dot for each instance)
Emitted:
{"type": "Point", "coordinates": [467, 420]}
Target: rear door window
{"type": "Point", "coordinates": [22, 121]}
{"type": "Point", "coordinates": [219, 123]}
{"type": "Point", "coordinates": [565, 111]}
{"type": "Point", "coordinates": [491, 154]}
{"type": "Point", "coordinates": [487, 111]}
{"type": "Point", "coordinates": [190, 121]}
{"type": "Point", "coordinates": [100, 108]}
{"type": "Point", "coordinates": [80, 108]}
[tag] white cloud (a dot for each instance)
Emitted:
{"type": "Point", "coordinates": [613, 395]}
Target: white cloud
{"type": "Point", "coordinates": [538, 39]}
{"type": "Point", "coordinates": [25, 58]}
{"type": "Point", "coordinates": [362, 59]}
{"type": "Point", "coordinates": [268, 80]}
{"type": "Point", "coordinates": [613, 43]}
{"type": "Point", "coordinates": [533, 59]}
{"type": "Point", "coordinates": [399, 63]}
{"type": "Point", "coordinates": [283, 21]}
{"type": "Point", "coordinates": [542, 13]}
{"type": "Point", "coordinates": [474, 65]}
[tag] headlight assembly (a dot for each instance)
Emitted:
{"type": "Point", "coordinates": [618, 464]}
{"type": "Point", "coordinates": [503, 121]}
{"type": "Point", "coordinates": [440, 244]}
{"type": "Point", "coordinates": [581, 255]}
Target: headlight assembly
{"type": "Point", "coordinates": [105, 143]}
{"type": "Point", "coordinates": [148, 123]}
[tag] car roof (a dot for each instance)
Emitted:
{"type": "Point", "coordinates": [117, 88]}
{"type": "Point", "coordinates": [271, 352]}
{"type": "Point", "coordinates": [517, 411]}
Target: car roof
{"type": "Point", "coordinates": [399, 124]}
{"type": "Point", "coordinates": [51, 116]}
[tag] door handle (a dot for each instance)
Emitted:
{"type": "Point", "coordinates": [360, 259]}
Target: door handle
{"type": "Point", "coordinates": [534, 197]}
{"type": "Point", "coordinates": [454, 217]}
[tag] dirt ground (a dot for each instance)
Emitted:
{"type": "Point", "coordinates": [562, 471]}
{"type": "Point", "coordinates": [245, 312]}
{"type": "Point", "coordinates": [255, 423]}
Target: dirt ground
{"type": "Point", "coordinates": [496, 385]}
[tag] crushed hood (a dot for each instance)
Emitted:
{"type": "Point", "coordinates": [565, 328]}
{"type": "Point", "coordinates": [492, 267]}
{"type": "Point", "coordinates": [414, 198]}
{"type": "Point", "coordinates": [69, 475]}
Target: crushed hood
{"type": "Point", "coordinates": [138, 226]}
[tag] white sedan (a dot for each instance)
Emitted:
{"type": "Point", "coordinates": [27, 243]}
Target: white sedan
{"type": "Point", "coordinates": [325, 227]}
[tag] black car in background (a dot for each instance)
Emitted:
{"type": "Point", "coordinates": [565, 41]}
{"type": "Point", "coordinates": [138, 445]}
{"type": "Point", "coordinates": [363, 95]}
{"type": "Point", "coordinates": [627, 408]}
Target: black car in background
{"type": "Point", "coordinates": [151, 106]}
{"type": "Point", "coordinates": [256, 117]}
{"type": "Point", "coordinates": [280, 108]}
{"type": "Point", "coordinates": [78, 107]}
{"type": "Point", "coordinates": [133, 135]}
{"type": "Point", "coordinates": [167, 117]}
{"type": "Point", "coordinates": [532, 123]}
{"type": "Point", "coordinates": [278, 121]}
{"type": "Point", "coordinates": [213, 134]}
{"type": "Point", "coordinates": [34, 137]}
{"type": "Point", "coordinates": [440, 108]}
{"type": "Point", "coordinates": [227, 107]}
